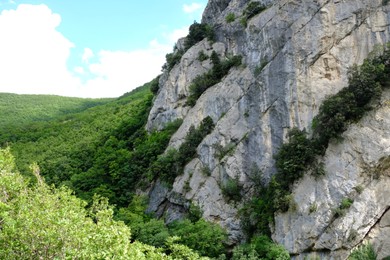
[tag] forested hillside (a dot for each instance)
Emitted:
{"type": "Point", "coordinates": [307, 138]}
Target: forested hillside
{"type": "Point", "coordinates": [73, 147]}
{"type": "Point", "coordinates": [17, 110]}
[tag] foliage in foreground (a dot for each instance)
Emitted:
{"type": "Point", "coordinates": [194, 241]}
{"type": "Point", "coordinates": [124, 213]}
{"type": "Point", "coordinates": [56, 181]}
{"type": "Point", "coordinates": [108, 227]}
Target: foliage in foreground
{"type": "Point", "coordinates": [42, 222]}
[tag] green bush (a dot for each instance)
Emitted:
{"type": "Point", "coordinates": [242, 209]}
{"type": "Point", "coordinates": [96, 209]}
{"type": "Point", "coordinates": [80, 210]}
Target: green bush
{"type": "Point", "coordinates": [230, 17]}
{"type": "Point", "coordinates": [244, 21]}
{"type": "Point", "coordinates": [172, 59]}
{"type": "Point", "coordinates": [252, 9]}
{"type": "Point", "coordinates": [206, 171]}
{"type": "Point", "coordinates": [153, 232]}
{"type": "Point", "coordinates": [318, 169]}
{"type": "Point", "coordinates": [167, 167]}
{"type": "Point", "coordinates": [203, 237]}
{"type": "Point", "coordinates": [294, 157]}
{"type": "Point", "coordinates": [260, 247]}
{"type": "Point", "coordinates": [344, 205]}
{"type": "Point", "coordinates": [258, 213]}
{"type": "Point", "coordinates": [154, 86]}
{"type": "Point", "coordinates": [198, 32]}
{"type": "Point", "coordinates": [313, 208]}
{"type": "Point", "coordinates": [261, 66]}
{"type": "Point", "coordinates": [202, 56]}
{"type": "Point", "coordinates": [363, 252]}
{"type": "Point", "coordinates": [359, 189]}
{"type": "Point", "coordinates": [231, 189]}
{"type": "Point", "coordinates": [179, 251]}
{"type": "Point", "coordinates": [194, 213]}
{"type": "Point", "coordinates": [256, 177]}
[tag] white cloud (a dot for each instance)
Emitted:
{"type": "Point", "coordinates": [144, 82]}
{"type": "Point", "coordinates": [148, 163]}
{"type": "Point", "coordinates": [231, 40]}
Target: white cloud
{"type": "Point", "coordinates": [33, 54]}
{"type": "Point", "coordinates": [192, 7]}
{"type": "Point", "coordinates": [172, 37]}
{"type": "Point", "coordinates": [87, 55]}
{"type": "Point", "coordinates": [79, 70]}
{"type": "Point", "coordinates": [117, 72]}
{"type": "Point", "coordinates": [34, 59]}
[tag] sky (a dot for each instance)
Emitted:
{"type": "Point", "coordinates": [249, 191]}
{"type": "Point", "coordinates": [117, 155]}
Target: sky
{"type": "Point", "coordinates": [88, 48]}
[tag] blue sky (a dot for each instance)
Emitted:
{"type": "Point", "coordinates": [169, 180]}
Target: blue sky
{"type": "Point", "coordinates": [88, 48]}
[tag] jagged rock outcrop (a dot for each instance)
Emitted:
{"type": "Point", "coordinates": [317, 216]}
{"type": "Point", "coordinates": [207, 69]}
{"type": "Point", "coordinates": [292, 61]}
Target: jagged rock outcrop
{"type": "Point", "coordinates": [295, 53]}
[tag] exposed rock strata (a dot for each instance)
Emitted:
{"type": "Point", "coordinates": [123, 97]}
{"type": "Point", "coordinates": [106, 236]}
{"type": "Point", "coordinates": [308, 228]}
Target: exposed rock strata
{"type": "Point", "coordinates": [296, 53]}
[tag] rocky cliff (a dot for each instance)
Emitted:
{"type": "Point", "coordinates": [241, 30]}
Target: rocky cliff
{"type": "Point", "coordinates": [295, 54]}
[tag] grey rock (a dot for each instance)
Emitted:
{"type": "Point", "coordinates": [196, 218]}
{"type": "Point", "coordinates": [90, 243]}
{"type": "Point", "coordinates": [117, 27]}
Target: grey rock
{"type": "Point", "coordinates": [295, 54]}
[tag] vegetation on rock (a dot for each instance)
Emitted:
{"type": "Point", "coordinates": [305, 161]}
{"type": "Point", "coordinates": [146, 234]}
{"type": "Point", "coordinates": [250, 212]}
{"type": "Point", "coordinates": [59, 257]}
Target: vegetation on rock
{"type": "Point", "coordinates": [171, 164]}
{"type": "Point", "coordinates": [363, 252]}
{"type": "Point", "coordinates": [197, 32]}
{"type": "Point", "coordinates": [230, 17]}
{"type": "Point", "coordinates": [202, 82]}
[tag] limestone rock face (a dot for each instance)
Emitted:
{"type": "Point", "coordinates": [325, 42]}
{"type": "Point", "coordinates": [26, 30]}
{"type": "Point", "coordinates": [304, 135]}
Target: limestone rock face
{"type": "Point", "coordinates": [357, 168]}
{"type": "Point", "coordinates": [295, 53]}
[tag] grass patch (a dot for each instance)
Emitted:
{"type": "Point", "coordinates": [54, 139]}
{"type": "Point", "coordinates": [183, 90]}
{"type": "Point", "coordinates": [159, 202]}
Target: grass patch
{"type": "Point", "coordinates": [365, 252]}
{"type": "Point", "coordinates": [230, 17]}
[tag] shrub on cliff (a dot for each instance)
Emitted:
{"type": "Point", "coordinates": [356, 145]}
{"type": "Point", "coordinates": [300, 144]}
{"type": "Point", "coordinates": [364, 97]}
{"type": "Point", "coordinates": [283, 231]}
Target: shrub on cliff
{"type": "Point", "coordinates": [202, 82]}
